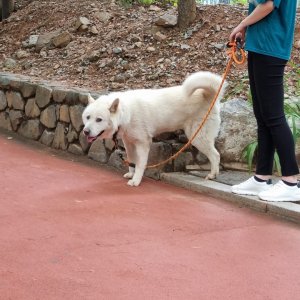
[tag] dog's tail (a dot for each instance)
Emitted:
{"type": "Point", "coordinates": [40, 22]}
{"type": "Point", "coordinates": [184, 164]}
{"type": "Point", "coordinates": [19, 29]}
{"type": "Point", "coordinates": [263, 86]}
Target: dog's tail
{"type": "Point", "coordinates": [207, 81]}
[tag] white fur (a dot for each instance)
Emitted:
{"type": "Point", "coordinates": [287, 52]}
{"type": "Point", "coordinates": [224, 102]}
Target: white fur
{"type": "Point", "coordinates": [139, 115]}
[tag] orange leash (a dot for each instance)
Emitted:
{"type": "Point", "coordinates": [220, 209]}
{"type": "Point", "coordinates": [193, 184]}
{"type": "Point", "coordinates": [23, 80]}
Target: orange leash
{"type": "Point", "coordinates": [236, 54]}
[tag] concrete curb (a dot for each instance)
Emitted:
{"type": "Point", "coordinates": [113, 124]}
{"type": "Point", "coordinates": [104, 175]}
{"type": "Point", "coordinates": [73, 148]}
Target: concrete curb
{"type": "Point", "coordinates": [287, 210]}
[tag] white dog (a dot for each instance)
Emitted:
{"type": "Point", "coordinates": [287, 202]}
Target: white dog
{"type": "Point", "coordinates": [137, 116]}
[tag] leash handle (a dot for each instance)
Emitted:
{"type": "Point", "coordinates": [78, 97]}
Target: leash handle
{"type": "Point", "coordinates": [236, 51]}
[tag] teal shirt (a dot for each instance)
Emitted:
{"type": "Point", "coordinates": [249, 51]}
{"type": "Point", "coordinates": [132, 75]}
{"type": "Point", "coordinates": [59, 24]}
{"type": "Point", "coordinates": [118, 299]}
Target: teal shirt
{"type": "Point", "coordinates": [274, 34]}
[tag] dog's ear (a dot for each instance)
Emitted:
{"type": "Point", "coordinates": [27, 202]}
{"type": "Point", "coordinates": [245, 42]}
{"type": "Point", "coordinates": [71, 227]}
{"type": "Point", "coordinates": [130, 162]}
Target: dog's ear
{"type": "Point", "coordinates": [90, 99]}
{"type": "Point", "coordinates": [113, 108]}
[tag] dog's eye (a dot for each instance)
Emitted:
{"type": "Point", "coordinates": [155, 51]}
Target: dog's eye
{"type": "Point", "coordinates": [98, 120]}
{"type": "Point", "coordinates": [88, 117]}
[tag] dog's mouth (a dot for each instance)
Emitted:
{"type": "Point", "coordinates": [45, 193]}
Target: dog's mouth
{"type": "Point", "coordinates": [93, 138]}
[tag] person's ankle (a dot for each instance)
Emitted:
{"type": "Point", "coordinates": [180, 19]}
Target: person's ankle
{"type": "Point", "coordinates": [289, 179]}
{"type": "Point", "coordinates": [263, 177]}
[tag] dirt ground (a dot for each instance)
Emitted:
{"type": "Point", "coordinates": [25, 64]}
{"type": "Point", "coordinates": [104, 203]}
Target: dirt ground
{"type": "Point", "coordinates": [120, 48]}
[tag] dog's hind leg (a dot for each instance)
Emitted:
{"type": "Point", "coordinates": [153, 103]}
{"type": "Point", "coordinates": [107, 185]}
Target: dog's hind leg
{"type": "Point", "coordinates": [205, 142]}
{"type": "Point", "coordinates": [207, 147]}
{"type": "Point", "coordinates": [141, 157]}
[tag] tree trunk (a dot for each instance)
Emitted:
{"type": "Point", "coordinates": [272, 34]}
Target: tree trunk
{"type": "Point", "coordinates": [186, 13]}
{"type": "Point", "coordinates": [6, 7]}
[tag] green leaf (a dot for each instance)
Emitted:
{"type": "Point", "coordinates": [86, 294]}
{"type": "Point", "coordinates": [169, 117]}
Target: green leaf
{"type": "Point", "coordinates": [249, 153]}
{"type": "Point", "coordinates": [277, 165]}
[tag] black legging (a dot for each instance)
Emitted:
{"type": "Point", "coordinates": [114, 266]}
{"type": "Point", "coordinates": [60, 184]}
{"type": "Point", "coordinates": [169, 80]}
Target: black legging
{"type": "Point", "coordinates": [266, 84]}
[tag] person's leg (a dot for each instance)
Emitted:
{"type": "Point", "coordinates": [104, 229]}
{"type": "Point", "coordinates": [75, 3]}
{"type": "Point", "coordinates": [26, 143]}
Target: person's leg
{"type": "Point", "coordinates": [265, 147]}
{"type": "Point", "coordinates": [261, 181]}
{"type": "Point", "coordinates": [272, 125]}
{"type": "Point", "coordinates": [266, 83]}
{"type": "Point", "coordinates": [269, 72]}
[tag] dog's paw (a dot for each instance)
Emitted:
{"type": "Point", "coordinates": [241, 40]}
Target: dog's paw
{"type": "Point", "coordinates": [128, 175]}
{"type": "Point", "coordinates": [210, 176]}
{"type": "Point", "coordinates": [133, 182]}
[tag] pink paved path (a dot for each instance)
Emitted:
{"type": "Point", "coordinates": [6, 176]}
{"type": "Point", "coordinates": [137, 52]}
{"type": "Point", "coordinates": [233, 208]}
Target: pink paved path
{"type": "Point", "coordinates": [72, 231]}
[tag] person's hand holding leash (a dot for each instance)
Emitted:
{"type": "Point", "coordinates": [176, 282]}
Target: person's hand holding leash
{"type": "Point", "coordinates": [238, 33]}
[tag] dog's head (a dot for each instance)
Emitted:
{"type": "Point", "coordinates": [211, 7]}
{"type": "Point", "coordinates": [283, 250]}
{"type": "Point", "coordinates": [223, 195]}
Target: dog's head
{"type": "Point", "coordinates": [98, 118]}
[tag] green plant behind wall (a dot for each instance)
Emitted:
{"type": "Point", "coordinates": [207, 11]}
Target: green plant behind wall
{"type": "Point", "coordinates": [292, 78]}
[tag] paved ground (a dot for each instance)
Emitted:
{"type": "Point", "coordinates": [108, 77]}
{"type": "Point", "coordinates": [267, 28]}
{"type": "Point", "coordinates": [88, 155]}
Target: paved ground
{"type": "Point", "coordinates": [69, 230]}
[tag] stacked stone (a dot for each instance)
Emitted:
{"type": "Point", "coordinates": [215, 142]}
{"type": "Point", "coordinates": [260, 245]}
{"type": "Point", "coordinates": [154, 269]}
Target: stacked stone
{"type": "Point", "coordinates": [43, 112]}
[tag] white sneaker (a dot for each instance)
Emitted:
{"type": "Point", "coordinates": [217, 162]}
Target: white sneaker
{"type": "Point", "coordinates": [281, 192]}
{"type": "Point", "coordinates": [251, 187]}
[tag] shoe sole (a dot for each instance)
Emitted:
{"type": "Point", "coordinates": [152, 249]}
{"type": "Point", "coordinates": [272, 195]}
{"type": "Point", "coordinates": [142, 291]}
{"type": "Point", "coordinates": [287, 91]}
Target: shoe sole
{"type": "Point", "coordinates": [248, 193]}
{"type": "Point", "coordinates": [278, 200]}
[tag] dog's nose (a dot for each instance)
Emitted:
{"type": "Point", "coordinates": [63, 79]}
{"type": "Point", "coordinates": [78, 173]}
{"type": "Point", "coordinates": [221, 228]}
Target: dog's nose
{"type": "Point", "coordinates": [86, 132]}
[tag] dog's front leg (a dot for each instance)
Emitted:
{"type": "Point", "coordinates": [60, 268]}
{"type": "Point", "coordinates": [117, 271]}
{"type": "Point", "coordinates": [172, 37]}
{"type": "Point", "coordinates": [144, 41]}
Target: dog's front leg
{"type": "Point", "coordinates": [130, 173]}
{"type": "Point", "coordinates": [141, 152]}
{"type": "Point", "coordinates": [130, 149]}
